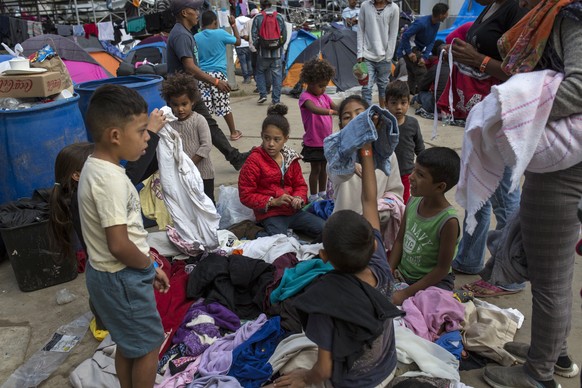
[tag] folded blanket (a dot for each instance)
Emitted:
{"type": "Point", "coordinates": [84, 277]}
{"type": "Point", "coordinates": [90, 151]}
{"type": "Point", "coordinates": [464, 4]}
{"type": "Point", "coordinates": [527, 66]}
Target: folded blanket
{"type": "Point", "coordinates": [507, 129]}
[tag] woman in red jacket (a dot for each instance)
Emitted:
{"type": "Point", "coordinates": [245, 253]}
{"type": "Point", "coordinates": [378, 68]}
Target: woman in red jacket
{"type": "Point", "coordinates": [271, 182]}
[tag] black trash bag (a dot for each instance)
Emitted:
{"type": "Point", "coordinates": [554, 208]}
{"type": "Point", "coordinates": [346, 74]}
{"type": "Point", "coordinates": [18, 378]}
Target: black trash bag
{"type": "Point", "coordinates": [25, 211]}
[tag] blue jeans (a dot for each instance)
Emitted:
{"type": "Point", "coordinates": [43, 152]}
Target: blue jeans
{"type": "Point", "coordinates": [275, 67]}
{"type": "Point", "coordinates": [426, 100]}
{"type": "Point", "coordinates": [244, 58]}
{"type": "Point", "coordinates": [471, 254]}
{"type": "Point", "coordinates": [305, 222]}
{"type": "Point", "coordinates": [378, 73]}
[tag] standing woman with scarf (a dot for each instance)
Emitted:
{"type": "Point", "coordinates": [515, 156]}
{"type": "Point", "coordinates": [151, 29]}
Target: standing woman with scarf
{"type": "Point", "coordinates": [478, 65]}
{"type": "Point", "coordinates": [549, 37]}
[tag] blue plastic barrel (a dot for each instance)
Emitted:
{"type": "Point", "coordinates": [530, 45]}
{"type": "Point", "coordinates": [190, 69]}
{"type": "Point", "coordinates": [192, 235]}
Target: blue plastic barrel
{"type": "Point", "coordinates": [30, 141]}
{"type": "Point", "coordinates": [148, 86]}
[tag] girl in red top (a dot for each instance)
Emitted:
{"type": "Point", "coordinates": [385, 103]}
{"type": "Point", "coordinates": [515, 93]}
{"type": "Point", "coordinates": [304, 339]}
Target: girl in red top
{"type": "Point", "coordinates": [271, 182]}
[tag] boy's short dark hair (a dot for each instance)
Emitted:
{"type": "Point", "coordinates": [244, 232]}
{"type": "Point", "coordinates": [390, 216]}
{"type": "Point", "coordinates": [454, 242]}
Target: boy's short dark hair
{"type": "Point", "coordinates": [208, 17]}
{"type": "Point", "coordinates": [179, 84]}
{"type": "Point", "coordinates": [348, 240]}
{"type": "Point", "coordinates": [397, 89]}
{"type": "Point", "coordinates": [443, 163]}
{"type": "Point", "coordinates": [112, 106]}
{"type": "Point", "coordinates": [440, 9]}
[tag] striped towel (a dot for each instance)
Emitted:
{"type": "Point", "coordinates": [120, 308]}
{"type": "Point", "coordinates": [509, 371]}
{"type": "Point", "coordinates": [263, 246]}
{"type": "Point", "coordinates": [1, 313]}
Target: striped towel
{"type": "Point", "coordinates": [505, 130]}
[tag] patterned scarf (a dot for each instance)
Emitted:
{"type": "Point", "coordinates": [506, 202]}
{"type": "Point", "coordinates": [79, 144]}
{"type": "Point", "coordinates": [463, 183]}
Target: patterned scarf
{"type": "Point", "coordinates": [523, 45]}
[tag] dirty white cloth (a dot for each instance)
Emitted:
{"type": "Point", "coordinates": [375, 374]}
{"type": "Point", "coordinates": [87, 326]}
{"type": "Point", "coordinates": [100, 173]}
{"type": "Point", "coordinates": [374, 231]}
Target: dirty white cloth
{"type": "Point", "coordinates": [512, 313]}
{"type": "Point", "coordinates": [486, 331]}
{"type": "Point", "coordinates": [432, 359]}
{"type": "Point", "coordinates": [270, 248]}
{"type": "Point", "coordinates": [510, 128]}
{"type": "Point", "coordinates": [162, 243]}
{"type": "Point", "coordinates": [295, 351]}
{"type": "Point", "coordinates": [99, 370]}
{"type": "Point", "coordinates": [195, 217]}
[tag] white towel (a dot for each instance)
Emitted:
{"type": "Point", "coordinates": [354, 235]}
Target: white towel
{"type": "Point", "coordinates": [510, 128]}
{"type": "Point", "coordinates": [195, 217]}
{"type": "Point", "coordinates": [105, 31]}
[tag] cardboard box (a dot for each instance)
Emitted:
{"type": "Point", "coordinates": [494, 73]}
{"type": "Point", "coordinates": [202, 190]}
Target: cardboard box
{"type": "Point", "coordinates": [30, 85]}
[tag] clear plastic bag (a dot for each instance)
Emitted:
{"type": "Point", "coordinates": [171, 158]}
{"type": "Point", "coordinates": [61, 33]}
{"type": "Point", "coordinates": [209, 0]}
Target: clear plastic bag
{"type": "Point", "coordinates": [230, 209]}
{"type": "Point", "coordinates": [45, 361]}
{"type": "Point", "coordinates": [65, 296]}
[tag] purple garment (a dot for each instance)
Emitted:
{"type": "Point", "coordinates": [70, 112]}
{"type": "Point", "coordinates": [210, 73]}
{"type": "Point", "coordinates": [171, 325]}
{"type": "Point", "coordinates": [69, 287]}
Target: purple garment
{"type": "Point", "coordinates": [216, 360]}
{"type": "Point", "coordinates": [190, 334]}
{"type": "Point", "coordinates": [215, 382]}
{"type": "Point", "coordinates": [430, 309]}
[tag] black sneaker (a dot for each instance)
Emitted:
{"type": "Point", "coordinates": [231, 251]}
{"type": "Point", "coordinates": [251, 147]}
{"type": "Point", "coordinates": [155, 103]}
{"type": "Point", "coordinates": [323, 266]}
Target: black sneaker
{"type": "Point", "coordinates": [262, 99]}
{"type": "Point", "coordinates": [256, 91]}
{"type": "Point", "coordinates": [238, 162]}
{"type": "Point", "coordinates": [564, 367]}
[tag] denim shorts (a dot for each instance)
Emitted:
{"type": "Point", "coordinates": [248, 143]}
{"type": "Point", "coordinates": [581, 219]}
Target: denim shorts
{"type": "Point", "coordinates": [125, 302]}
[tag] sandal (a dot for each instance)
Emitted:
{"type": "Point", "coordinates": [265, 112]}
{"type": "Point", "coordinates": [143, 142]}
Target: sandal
{"type": "Point", "coordinates": [236, 135]}
{"type": "Point", "coordinates": [483, 289]}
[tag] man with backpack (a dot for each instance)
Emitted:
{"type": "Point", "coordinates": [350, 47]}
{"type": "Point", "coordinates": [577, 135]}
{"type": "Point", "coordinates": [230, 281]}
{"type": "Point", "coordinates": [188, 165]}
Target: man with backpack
{"type": "Point", "coordinates": [269, 35]}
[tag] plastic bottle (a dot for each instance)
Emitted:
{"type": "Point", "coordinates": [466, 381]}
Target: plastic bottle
{"type": "Point", "coordinates": [45, 361]}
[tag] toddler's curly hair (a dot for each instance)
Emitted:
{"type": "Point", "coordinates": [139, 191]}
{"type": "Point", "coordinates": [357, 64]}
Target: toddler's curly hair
{"type": "Point", "coordinates": [179, 84]}
{"type": "Point", "coordinates": [317, 70]}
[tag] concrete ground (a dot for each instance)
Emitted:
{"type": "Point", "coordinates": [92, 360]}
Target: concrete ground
{"type": "Point", "coordinates": [28, 320]}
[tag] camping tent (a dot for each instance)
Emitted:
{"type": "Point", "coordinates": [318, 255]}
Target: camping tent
{"type": "Point", "coordinates": [299, 41]}
{"type": "Point", "coordinates": [81, 66]}
{"type": "Point", "coordinates": [468, 13]}
{"type": "Point", "coordinates": [339, 48]}
{"type": "Point", "coordinates": [106, 60]}
{"type": "Point", "coordinates": [154, 52]}
{"type": "Point", "coordinates": [94, 47]}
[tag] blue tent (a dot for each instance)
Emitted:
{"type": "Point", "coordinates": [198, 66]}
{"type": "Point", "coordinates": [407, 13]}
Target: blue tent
{"type": "Point", "coordinates": [299, 41]}
{"type": "Point", "coordinates": [468, 13]}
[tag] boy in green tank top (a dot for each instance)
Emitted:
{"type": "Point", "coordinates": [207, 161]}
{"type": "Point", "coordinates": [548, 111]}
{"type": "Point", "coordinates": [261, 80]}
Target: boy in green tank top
{"type": "Point", "coordinates": [429, 234]}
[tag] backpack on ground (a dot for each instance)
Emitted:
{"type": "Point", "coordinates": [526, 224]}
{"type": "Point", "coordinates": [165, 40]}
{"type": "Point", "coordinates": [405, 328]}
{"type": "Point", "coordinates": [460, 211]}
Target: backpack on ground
{"type": "Point", "coordinates": [270, 32]}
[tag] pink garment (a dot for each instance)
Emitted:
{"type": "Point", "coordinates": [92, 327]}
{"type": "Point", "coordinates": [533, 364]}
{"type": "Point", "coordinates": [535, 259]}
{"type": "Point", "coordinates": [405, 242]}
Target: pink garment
{"type": "Point", "coordinates": [505, 130]}
{"type": "Point", "coordinates": [394, 204]}
{"type": "Point", "coordinates": [182, 379]}
{"type": "Point", "coordinates": [188, 248]}
{"type": "Point", "coordinates": [459, 33]}
{"type": "Point", "coordinates": [431, 311]}
{"type": "Point", "coordinates": [317, 127]}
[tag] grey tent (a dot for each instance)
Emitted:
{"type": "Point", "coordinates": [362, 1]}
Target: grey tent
{"type": "Point", "coordinates": [65, 48]}
{"type": "Point", "coordinates": [339, 47]}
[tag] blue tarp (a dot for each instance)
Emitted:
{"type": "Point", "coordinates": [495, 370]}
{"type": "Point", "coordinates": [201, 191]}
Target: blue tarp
{"type": "Point", "coordinates": [468, 13]}
{"type": "Point", "coordinates": [299, 41]}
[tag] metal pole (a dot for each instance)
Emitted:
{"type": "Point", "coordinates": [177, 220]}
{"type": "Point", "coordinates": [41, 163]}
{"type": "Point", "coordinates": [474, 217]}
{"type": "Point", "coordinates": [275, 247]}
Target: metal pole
{"type": "Point", "coordinates": [230, 70]}
{"type": "Point", "coordinates": [77, 12]}
{"type": "Point", "coordinates": [93, 7]}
